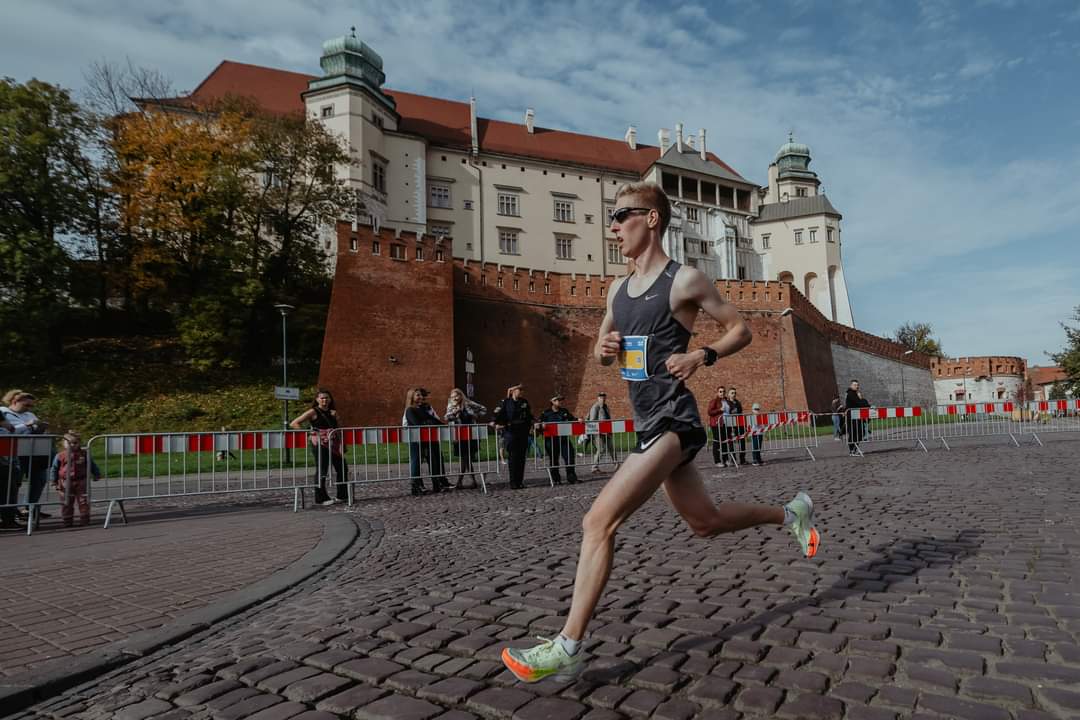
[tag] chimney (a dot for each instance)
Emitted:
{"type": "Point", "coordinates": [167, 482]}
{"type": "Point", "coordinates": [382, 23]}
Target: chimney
{"type": "Point", "coordinates": [701, 142]}
{"type": "Point", "coordinates": [529, 115]}
{"type": "Point", "coordinates": [678, 137]}
{"type": "Point", "coordinates": [664, 140]}
{"type": "Point", "coordinates": [631, 137]}
{"type": "Point", "coordinates": [472, 127]}
{"type": "Point", "coordinates": [690, 141]}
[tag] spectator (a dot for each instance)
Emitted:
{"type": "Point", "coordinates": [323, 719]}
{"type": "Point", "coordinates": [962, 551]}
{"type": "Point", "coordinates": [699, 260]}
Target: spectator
{"type": "Point", "coordinates": [460, 410]}
{"type": "Point", "coordinates": [560, 445]}
{"type": "Point", "coordinates": [325, 446]}
{"type": "Point", "coordinates": [18, 412]}
{"type": "Point", "coordinates": [414, 397]}
{"type": "Point", "coordinates": [716, 425]}
{"type": "Point", "coordinates": [601, 442]}
{"type": "Point", "coordinates": [10, 477]}
{"type": "Point", "coordinates": [837, 418]}
{"type": "Point", "coordinates": [733, 409]}
{"type": "Point", "coordinates": [757, 438]}
{"type": "Point", "coordinates": [68, 476]}
{"type": "Point", "coordinates": [515, 417]}
{"type": "Point", "coordinates": [856, 427]}
{"type": "Point", "coordinates": [426, 449]}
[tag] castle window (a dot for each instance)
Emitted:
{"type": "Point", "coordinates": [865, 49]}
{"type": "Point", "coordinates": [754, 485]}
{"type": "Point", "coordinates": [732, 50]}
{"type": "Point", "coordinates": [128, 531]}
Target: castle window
{"type": "Point", "coordinates": [375, 250]}
{"type": "Point", "coordinates": [532, 286]}
{"type": "Point", "coordinates": [742, 272]}
{"type": "Point", "coordinates": [377, 120]}
{"type": "Point", "coordinates": [439, 256]}
{"type": "Point", "coordinates": [613, 255]}
{"type": "Point", "coordinates": [829, 235]}
{"type": "Point", "coordinates": [603, 291]}
{"type": "Point", "coordinates": [588, 218]}
{"type": "Point", "coordinates": [547, 288]}
{"type": "Point", "coordinates": [588, 290]}
{"type": "Point", "coordinates": [517, 284]}
{"type": "Point", "coordinates": [798, 237]}
{"type": "Point", "coordinates": [573, 290]}
{"type": "Point", "coordinates": [813, 235]}
{"type": "Point", "coordinates": [419, 253]}
{"type": "Point", "coordinates": [498, 281]}
{"type": "Point", "coordinates": [508, 242]}
{"type": "Point", "coordinates": [564, 247]}
{"type": "Point", "coordinates": [439, 195]}
{"type": "Point", "coordinates": [609, 210]}
{"type": "Point", "coordinates": [483, 279]}
{"type": "Point", "coordinates": [354, 244]}
{"type": "Point", "coordinates": [439, 231]}
{"type": "Point", "coordinates": [704, 247]}
{"type": "Point", "coordinates": [467, 204]}
{"type": "Point", "coordinates": [397, 252]}
{"type": "Point", "coordinates": [327, 111]}
{"type": "Point", "coordinates": [693, 216]}
{"type": "Point", "coordinates": [564, 210]}
{"type": "Point", "coordinates": [508, 205]}
{"type": "Point", "coordinates": [378, 175]}
{"type": "Point", "coordinates": [800, 192]}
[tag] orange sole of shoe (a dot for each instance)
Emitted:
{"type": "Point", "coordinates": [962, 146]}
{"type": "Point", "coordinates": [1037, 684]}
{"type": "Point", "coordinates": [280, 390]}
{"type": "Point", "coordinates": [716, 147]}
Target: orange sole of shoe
{"type": "Point", "coordinates": [812, 545]}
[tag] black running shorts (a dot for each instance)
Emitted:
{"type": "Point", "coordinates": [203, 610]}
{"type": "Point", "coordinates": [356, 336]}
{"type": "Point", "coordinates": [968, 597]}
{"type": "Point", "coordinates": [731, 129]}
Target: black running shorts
{"type": "Point", "coordinates": [691, 439]}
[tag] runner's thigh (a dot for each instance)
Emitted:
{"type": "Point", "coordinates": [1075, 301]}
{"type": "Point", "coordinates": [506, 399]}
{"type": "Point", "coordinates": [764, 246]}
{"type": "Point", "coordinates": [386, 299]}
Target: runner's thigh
{"type": "Point", "coordinates": [637, 479]}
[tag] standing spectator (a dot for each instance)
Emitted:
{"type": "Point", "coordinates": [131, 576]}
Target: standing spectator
{"type": "Point", "coordinates": [757, 438]}
{"type": "Point", "coordinates": [560, 445]}
{"type": "Point", "coordinates": [601, 443]}
{"type": "Point", "coordinates": [733, 409]}
{"type": "Point", "coordinates": [460, 410]}
{"type": "Point", "coordinates": [856, 427]}
{"type": "Point", "coordinates": [414, 397]}
{"type": "Point", "coordinates": [421, 414]}
{"type": "Point", "coordinates": [716, 424]}
{"type": "Point", "coordinates": [10, 477]}
{"type": "Point", "coordinates": [18, 412]}
{"type": "Point", "coordinates": [68, 476]}
{"type": "Point", "coordinates": [325, 446]}
{"type": "Point", "coordinates": [515, 417]}
{"type": "Point", "coordinates": [837, 418]}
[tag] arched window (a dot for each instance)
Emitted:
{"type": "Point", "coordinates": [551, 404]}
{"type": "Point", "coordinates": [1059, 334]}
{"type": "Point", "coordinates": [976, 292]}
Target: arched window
{"type": "Point", "coordinates": [810, 285]}
{"type": "Point", "coordinates": [786, 277]}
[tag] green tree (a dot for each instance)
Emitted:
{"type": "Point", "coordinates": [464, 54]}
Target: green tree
{"type": "Point", "coordinates": [1069, 357]}
{"type": "Point", "coordinates": [919, 337]}
{"type": "Point", "coordinates": [42, 131]}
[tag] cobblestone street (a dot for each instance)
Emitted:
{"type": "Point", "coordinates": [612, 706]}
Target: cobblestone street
{"type": "Point", "coordinates": [947, 585]}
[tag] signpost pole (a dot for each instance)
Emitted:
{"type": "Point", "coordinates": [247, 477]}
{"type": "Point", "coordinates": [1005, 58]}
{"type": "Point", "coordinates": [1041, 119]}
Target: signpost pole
{"type": "Point", "coordinates": [284, 310]}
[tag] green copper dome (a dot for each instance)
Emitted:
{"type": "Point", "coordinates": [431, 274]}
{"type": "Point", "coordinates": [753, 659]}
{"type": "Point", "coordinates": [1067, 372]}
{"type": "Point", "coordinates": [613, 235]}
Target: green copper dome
{"type": "Point", "coordinates": [348, 61]}
{"type": "Point", "coordinates": [793, 148]}
{"type": "Point", "coordinates": [793, 160]}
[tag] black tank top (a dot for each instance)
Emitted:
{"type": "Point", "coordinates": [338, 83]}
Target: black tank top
{"type": "Point", "coordinates": [661, 396]}
{"type": "Point", "coordinates": [323, 420]}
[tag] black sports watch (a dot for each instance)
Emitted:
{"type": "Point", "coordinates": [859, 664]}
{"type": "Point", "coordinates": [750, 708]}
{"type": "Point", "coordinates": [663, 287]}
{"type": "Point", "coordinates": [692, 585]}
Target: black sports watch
{"type": "Point", "coordinates": [711, 356]}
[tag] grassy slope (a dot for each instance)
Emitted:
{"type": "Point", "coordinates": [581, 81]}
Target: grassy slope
{"type": "Point", "coordinates": [139, 385]}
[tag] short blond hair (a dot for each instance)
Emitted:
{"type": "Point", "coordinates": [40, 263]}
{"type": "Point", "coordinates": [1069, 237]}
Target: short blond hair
{"type": "Point", "coordinates": [651, 195]}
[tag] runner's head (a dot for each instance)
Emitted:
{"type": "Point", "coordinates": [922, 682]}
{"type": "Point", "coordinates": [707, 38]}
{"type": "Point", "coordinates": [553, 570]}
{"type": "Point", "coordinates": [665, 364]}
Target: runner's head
{"type": "Point", "coordinates": [641, 215]}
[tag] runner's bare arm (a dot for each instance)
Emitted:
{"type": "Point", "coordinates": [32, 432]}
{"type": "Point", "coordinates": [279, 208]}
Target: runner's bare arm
{"type": "Point", "coordinates": [608, 341]}
{"type": "Point", "coordinates": [692, 291]}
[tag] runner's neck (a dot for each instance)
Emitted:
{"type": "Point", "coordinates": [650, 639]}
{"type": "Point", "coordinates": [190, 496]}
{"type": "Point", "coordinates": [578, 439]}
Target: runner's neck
{"type": "Point", "coordinates": [651, 262]}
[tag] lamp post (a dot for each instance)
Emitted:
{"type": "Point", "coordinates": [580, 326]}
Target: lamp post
{"type": "Point", "coordinates": [903, 393]}
{"type": "Point", "coordinates": [780, 345]}
{"type": "Point", "coordinates": [284, 310]}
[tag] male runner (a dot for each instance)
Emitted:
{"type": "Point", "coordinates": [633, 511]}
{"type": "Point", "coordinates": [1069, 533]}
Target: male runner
{"type": "Point", "coordinates": [653, 310]}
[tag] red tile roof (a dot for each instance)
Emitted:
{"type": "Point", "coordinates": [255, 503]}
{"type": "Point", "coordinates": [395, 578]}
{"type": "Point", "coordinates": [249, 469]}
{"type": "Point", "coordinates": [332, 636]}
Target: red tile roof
{"type": "Point", "coordinates": [443, 122]}
{"type": "Point", "coordinates": [1046, 375]}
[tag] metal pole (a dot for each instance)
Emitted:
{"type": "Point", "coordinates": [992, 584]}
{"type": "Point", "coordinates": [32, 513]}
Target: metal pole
{"type": "Point", "coordinates": [284, 374]}
{"type": "Point", "coordinates": [903, 393]}
{"type": "Point", "coordinates": [780, 338]}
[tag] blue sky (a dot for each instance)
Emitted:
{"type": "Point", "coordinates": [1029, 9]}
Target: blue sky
{"type": "Point", "coordinates": [947, 133]}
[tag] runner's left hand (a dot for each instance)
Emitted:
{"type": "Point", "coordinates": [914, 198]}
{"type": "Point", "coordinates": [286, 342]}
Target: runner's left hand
{"type": "Point", "coordinates": [682, 365]}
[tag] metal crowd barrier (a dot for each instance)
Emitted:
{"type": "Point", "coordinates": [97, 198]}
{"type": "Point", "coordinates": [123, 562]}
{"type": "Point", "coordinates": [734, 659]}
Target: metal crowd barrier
{"type": "Point", "coordinates": [594, 444]}
{"type": "Point", "coordinates": [771, 432]}
{"type": "Point", "coordinates": [877, 425]}
{"type": "Point", "coordinates": [430, 452]}
{"type": "Point", "coordinates": [24, 463]}
{"type": "Point", "coordinates": [144, 466]}
{"type": "Point", "coordinates": [1051, 416]}
{"type": "Point", "coordinates": [966, 420]}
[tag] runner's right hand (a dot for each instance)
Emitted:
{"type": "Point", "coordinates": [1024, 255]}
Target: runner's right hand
{"type": "Point", "coordinates": [611, 344]}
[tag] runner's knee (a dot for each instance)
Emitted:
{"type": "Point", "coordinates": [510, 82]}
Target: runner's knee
{"type": "Point", "coordinates": [599, 524]}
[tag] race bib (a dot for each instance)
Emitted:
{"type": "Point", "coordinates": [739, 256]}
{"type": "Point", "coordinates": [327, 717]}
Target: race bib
{"type": "Point", "coordinates": [633, 358]}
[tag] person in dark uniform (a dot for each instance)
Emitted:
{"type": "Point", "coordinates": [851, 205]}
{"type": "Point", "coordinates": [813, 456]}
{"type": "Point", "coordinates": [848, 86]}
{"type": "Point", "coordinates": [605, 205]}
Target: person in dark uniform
{"type": "Point", "coordinates": [325, 446]}
{"type": "Point", "coordinates": [559, 446]}
{"type": "Point", "coordinates": [856, 428]}
{"type": "Point", "coordinates": [648, 325]}
{"type": "Point", "coordinates": [515, 418]}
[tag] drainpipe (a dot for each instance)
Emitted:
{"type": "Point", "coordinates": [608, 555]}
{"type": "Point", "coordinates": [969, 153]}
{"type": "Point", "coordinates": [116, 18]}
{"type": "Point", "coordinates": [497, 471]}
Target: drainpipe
{"type": "Point", "coordinates": [479, 173]}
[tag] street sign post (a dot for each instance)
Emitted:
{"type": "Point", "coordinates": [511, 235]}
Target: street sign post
{"type": "Point", "coordinates": [286, 393]}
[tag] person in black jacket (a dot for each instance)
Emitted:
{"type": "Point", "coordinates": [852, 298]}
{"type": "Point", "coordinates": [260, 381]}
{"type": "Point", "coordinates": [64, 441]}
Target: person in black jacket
{"type": "Point", "coordinates": [734, 407]}
{"type": "Point", "coordinates": [420, 414]}
{"type": "Point", "coordinates": [325, 446]}
{"type": "Point", "coordinates": [515, 418]}
{"type": "Point", "coordinates": [856, 428]}
{"type": "Point", "coordinates": [559, 445]}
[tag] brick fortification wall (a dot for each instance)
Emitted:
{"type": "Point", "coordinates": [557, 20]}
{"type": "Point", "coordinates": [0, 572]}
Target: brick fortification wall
{"type": "Point", "coordinates": [428, 314]}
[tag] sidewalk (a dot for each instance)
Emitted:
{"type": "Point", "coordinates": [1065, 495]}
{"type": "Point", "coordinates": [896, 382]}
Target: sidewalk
{"type": "Point", "coordinates": [67, 592]}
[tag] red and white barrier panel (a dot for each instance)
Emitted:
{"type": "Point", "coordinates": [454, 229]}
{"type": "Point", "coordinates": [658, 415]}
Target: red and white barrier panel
{"type": "Point", "coordinates": [424, 433]}
{"type": "Point", "coordinates": [1054, 405]}
{"type": "Point", "coordinates": [883, 413]}
{"type": "Point", "coordinates": [600, 427]}
{"type": "Point", "coordinates": [990, 408]}
{"type": "Point", "coordinates": [15, 446]}
{"type": "Point", "coordinates": [1051, 416]}
{"type": "Point", "coordinates": [768, 432]}
{"type": "Point", "coordinates": [762, 424]}
{"type": "Point", "coordinates": [204, 442]}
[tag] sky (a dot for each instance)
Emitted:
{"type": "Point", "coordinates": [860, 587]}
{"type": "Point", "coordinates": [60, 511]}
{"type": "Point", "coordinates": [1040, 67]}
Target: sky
{"type": "Point", "coordinates": [946, 133]}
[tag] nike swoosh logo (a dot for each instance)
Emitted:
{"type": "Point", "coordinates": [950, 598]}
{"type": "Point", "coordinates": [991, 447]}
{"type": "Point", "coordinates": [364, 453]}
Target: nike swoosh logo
{"type": "Point", "coordinates": [646, 446]}
{"type": "Point", "coordinates": [649, 297]}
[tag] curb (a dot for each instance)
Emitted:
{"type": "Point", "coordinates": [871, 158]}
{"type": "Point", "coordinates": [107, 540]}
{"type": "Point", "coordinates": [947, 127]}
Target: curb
{"type": "Point", "coordinates": [25, 689]}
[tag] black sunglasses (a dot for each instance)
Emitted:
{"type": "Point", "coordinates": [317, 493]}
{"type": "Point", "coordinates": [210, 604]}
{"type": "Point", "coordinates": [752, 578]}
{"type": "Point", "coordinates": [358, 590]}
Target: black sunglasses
{"type": "Point", "coordinates": [622, 213]}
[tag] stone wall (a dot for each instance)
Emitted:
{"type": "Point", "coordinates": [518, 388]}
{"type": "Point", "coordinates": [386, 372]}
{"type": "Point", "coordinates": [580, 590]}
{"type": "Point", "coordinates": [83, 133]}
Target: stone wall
{"type": "Point", "coordinates": [884, 381]}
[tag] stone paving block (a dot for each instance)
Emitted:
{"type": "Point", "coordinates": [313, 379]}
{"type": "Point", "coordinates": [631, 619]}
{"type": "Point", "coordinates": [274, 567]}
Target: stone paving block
{"type": "Point", "coordinates": [987, 644]}
{"type": "Point", "coordinates": [345, 703]}
{"type": "Point", "coordinates": [497, 703]}
{"type": "Point", "coordinates": [231, 698]}
{"type": "Point", "coordinates": [451, 691]}
{"type": "Point", "coordinates": [277, 683]}
{"type": "Point", "coordinates": [548, 708]}
{"type": "Point", "coordinates": [1034, 649]}
{"type": "Point", "coordinates": [601, 714]}
{"type": "Point", "coordinates": [654, 677]}
{"type": "Point", "coordinates": [143, 710]}
{"type": "Point", "coordinates": [257, 675]}
{"type": "Point", "coordinates": [200, 695]}
{"type": "Point", "coordinates": [435, 639]}
{"type": "Point", "coordinates": [369, 670]}
{"type": "Point", "coordinates": [299, 650]}
{"type": "Point", "coordinates": [712, 692]}
{"type": "Point", "coordinates": [247, 707]}
{"type": "Point", "coordinates": [456, 715]}
{"type": "Point", "coordinates": [316, 687]}
{"type": "Point", "coordinates": [964, 709]}
{"type": "Point", "coordinates": [429, 662]}
{"type": "Point", "coordinates": [896, 697]}
{"type": "Point", "coordinates": [409, 681]}
{"type": "Point", "coordinates": [328, 659]}
{"type": "Point", "coordinates": [640, 703]}
{"type": "Point", "coordinates": [862, 712]}
{"type": "Point", "coordinates": [398, 707]}
{"type": "Point", "coordinates": [801, 681]}
{"type": "Point", "coordinates": [760, 700]}
{"type": "Point", "coordinates": [180, 687]}
{"type": "Point", "coordinates": [931, 678]}
{"type": "Point", "coordinates": [872, 648]}
{"type": "Point", "coordinates": [746, 650]}
{"type": "Point", "coordinates": [676, 709]}
{"type": "Point", "coordinates": [784, 657]}
{"type": "Point", "coordinates": [811, 707]}
{"type": "Point", "coordinates": [281, 711]}
{"type": "Point", "coordinates": [1044, 672]}
{"type": "Point", "coordinates": [810, 640]}
{"type": "Point", "coordinates": [855, 692]}
{"type": "Point", "coordinates": [1069, 699]}
{"type": "Point", "coordinates": [315, 715]}
{"type": "Point", "coordinates": [954, 660]}
{"type": "Point", "coordinates": [608, 696]}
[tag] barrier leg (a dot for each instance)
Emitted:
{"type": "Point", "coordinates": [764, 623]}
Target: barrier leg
{"type": "Point", "coordinates": [349, 502]}
{"type": "Point", "coordinates": [923, 446]}
{"type": "Point", "coordinates": [945, 444]}
{"type": "Point", "coordinates": [31, 519]}
{"type": "Point", "coordinates": [858, 450]}
{"type": "Point", "coordinates": [1013, 438]}
{"type": "Point", "coordinates": [1036, 439]}
{"type": "Point", "coordinates": [483, 484]}
{"type": "Point", "coordinates": [108, 513]}
{"type": "Point", "coordinates": [811, 454]}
